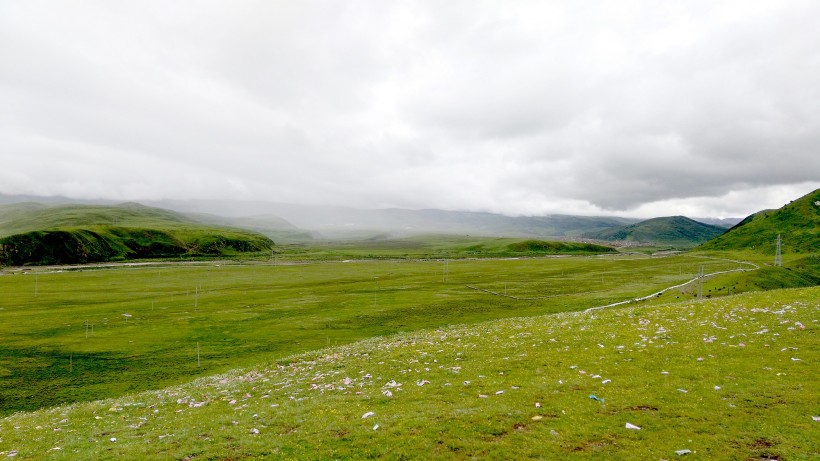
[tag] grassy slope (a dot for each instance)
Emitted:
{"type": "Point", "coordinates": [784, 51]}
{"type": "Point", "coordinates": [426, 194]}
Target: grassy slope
{"type": "Point", "coordinates": [69, 234]}
{"type": "Point", "coordinates": [798, 223]}
{"type": "Point", "coordinates": [28, 217]}
{"type": "Point", "coordinates": [733, 378]}
{"type": "Point", "coordinates": [673, 230]}
{"type": "Point", "coordinates": [330, 220]}
{"type": "Point", "coordinates": [241, 315]}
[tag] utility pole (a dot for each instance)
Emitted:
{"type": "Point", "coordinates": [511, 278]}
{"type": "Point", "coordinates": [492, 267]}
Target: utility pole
{"type": "Point", "coordinates": [700, 282]}
{"type": "Point", "coordinates": [778, 256]}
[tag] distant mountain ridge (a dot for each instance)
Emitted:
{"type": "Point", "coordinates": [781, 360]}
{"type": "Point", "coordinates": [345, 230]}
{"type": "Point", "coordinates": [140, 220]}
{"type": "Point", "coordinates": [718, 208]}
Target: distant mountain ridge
{"type": "Point", "coordinates": [671, 230]}
{"type": "Point", "coordinates": [720, 222]}
{"type": "Point", "coordinates": [345, 222]}
{"type": "Point", "coordinates": [300, 223]}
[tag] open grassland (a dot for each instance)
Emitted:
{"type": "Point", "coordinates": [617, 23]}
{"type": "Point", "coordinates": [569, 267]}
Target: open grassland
{"type": "Point", "coordinates": [78, 335]}
{"type": "Point", "coordinates": [728, 378]}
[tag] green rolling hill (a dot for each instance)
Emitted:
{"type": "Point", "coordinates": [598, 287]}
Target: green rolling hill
{"type": "Point", "coordinates": [677, 231]}
{"type": "Point", "coordinates": [24, 217]}
{"type": "Point", "coordinates": [798, 224]}
{"type": "Point", "coordinates": [33, 233]}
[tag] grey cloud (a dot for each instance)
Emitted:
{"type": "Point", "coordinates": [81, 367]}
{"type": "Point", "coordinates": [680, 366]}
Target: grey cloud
{"type": "Point", "coordinates": [521, 107]}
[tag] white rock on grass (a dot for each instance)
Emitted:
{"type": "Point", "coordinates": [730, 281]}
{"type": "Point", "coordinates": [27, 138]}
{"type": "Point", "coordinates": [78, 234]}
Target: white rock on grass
{"type": "Point", "coordinates": [632, 426]}
{"type": "Point", "coordinates": [368, 414]}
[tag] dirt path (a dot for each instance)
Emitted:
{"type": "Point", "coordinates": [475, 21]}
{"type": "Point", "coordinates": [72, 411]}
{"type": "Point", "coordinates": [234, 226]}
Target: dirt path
{"type": "Point", "coordinates": [643, 298]}
{"type": "Point", "coordinates": [658, 293]}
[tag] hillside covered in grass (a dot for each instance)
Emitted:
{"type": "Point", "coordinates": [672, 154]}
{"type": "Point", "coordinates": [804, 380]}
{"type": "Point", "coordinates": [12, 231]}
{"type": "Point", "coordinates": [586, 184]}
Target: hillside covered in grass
{"type": "Point", "coordinates": [71, 234]}
{"type": "Point", "coordinates": [798, 224]}
{"type": "Point", "coordinates": [19, 218]}
{"type": "Point", "coordinates": [731, 378]}
{"type": "Point", "coordinates": [672, 230]}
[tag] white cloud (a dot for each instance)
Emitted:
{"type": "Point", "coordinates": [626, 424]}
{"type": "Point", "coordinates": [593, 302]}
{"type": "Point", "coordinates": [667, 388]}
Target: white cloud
{"type": "Point", "coordinates": [636, 107]}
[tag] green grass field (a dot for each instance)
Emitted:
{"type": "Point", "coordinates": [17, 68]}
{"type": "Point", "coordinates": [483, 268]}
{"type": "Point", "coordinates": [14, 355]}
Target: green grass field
{"type": "Point", "coordinates": [323, 335]}
{"type": "Point", "coordinates": [86, 334]}
{"type": "Point", "coordinates": [728, 378]}
{"type": "Point", "coordinates": [432, 347]}
{"type": "Point", "coordinates": [435, 247]}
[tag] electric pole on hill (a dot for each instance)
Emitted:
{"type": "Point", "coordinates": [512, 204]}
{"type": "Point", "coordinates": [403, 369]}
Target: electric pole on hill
{"type": "Point", "coordinates": [778, 256]}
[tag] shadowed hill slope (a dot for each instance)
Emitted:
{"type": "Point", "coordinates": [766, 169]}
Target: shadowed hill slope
{"type": "Point", "coordinates": [71, 234]}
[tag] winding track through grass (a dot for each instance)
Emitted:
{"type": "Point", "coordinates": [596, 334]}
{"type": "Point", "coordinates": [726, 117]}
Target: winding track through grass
{"type": "Point", "coordinates": [681, 285]}
{"type": "Point", "coordinates": [631, 300]}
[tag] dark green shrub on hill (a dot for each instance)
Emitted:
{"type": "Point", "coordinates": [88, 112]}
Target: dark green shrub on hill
{"type": "Point", "coordinates": [543, 247]}
{"type": "Point", "coordinates": [148, 243]}
{"type": "Point", "coordinates": [107, 243]}
{"type": "Point", "coordinates": [55, 247]}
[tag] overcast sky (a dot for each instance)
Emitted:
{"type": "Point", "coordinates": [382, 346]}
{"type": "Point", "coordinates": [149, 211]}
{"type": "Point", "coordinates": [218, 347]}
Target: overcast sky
{"type": "Point", "coordinates": [635, 108]}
